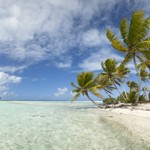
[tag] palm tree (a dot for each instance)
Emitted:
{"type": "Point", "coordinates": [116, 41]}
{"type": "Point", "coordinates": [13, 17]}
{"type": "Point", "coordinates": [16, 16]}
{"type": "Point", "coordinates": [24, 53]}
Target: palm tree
{"type": "Point", "coordinates": [104, 85]}
{"type": "Point", "coordinates": [86, 84]}
{"type": "Point", "coordinates": [114, 73]}
{"type": "Point", "coordinates": [134, 90]}
{"type": "Point", "coordinates": [133, 86]}
{"type": "Point", "coordinates": [136, 43]}
{"type": "Point", "coordinates": [122, 73]}
{"type": "Point", "coordinates": [143, 67]}
{"type": "Point", "coordinates": [146, 90]}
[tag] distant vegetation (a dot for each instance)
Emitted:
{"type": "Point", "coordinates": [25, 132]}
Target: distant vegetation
{"type": "Point", "coordinates": [114, 75]}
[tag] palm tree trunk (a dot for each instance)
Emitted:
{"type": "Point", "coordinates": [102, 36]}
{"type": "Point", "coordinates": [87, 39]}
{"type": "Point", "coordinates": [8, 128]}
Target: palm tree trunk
{"type": "Point", "coordinates": [92, 100]}
{"type": "Point", "coordinates": [119, 92]}
{"type": "Point", "coordinates": [124, 91]}
{"type": "Point", "coordinates": [139, 80]}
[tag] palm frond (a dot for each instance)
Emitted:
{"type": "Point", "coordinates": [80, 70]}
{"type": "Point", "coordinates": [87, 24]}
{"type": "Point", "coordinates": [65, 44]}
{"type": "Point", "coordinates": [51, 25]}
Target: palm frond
{"type": "Point", "coordinates": [137, 28]}
{"type": "Point", "coordinates": [110, 35]}
{"type": "Point", "coordinates": [143, 45]}
{"type": "Point", "coordinates": [146, 26]}
{"type": "Point", "coordinates": [118, 45]}
{"type": "Point", "coordinates": [133, 85]}
{"type": "Point", "coordinates": [76, 90]}
{"type": "Point", "coordinates": [147, 63]}
{"type": "Point", "coordinates": [103, 67]}
{"type": "Point", "coordinates": [94, 91]}
{"type": "Point", "coordinates": [144, 65]}
{"type": "Point", "coordinates": [146, 54]}
{"type": "Point", "coordinates": [111, 65]}
{"type": "Point", "coordinates": [116, 82]}
{"type": "Point", "coordinates": [140, 58]}
{"type": "Point", "coordinates": [109, 90]}
{"type": "Point", "coordinates": [132, 95]}
{"type": "Point", "coordinates": [97, 94]}
{"type": "Point", "coordinates": [84, 78]}
{"type": "Point", "coordinates": [144, 75]}
{"type": "Point", "coordinates": [74, 85]}
{"type": "Point", "coordinates": [122, 71]}
{"type": "Point", "coordinates": [124, 29]}
{"type": "Point", "coordinates": [75, 97]}
{"type": "Point", "coordinates": [127, 59]}
{"type": "Point", "coordinates": [90, 84]}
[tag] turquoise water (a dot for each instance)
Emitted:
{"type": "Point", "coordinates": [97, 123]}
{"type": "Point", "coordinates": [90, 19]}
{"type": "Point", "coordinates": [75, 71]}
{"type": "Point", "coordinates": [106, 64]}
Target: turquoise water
{"type": "Point", "coordinates": [61, 126]}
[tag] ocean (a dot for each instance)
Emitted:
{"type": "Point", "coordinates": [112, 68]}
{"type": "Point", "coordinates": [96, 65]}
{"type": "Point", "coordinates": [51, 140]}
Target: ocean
{"type": "Point", "coordinates": [37, 125]}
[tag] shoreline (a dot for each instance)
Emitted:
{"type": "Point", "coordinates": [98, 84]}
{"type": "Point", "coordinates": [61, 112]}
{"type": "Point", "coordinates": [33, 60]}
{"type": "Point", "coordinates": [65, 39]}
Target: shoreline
{"type": "Point", "coordinates": [136, 121]}
{"type": "Point", "coordinates": [108, 128]}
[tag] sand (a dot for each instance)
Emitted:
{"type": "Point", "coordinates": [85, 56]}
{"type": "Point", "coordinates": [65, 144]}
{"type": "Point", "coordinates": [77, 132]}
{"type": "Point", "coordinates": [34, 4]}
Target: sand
{"type": "Point", "coordinates": [136, 120]}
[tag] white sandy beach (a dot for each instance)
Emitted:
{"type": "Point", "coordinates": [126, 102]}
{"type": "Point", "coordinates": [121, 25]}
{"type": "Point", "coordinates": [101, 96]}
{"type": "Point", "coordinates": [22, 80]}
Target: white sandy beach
{"type": "Point", "coordinates": [136, 120]}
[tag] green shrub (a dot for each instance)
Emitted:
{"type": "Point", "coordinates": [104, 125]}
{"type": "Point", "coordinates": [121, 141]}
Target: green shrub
{"type": "Point", "coordinates": [108, 101]}
{"type": "Point", "coordinates": [131, 97]}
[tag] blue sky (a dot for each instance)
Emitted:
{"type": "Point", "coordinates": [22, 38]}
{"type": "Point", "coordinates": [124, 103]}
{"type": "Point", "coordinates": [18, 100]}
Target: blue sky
{"type": "Point", "coordinates": [45, 44]}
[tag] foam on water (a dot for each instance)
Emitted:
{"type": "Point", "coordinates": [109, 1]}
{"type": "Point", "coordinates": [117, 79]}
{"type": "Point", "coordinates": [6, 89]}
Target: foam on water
{"type": "Point", "coordinates": [60, 126]}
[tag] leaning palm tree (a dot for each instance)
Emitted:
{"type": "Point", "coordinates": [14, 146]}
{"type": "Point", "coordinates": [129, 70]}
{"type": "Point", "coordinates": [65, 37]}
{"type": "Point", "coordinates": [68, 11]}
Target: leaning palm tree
{"type": "Point", "coordinates": [122, 72]}
{"type": "Point", "coordinates": [104, 85]}
{"type": "Point", "coordinates": [86, 84]}
{"type": "Point", "coordinates": [113, 73]}
{"type": "Point", "coordinates": [143, 67]}
{"type": "Point", "coordinates": [136, 43]}
{"type": "Point", "coordinates": [133, 86]}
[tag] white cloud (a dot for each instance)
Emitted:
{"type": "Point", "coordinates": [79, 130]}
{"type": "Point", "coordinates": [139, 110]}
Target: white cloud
{"type": "Point", "coordinates": [8, 79]}
{"type": "Point", "coordinates": [8, 94]}
{"type": "Point", "coordinates": [12, 69]}
{"type": "Point", "coordinates": [22, 26]}
{"type": "Point", "coordinates": [5, 81]}
{"type": "Point", "coordinates": [93, 62]}
{"type": "Point", "coordinates": [144, 4]}
{"type": "Point", "coordinates": [61, 91]}
{"type": "Point", "coordinates": [63, 62]}
{"type": "Point", "coordinates": [3, 88]}
{"type": "Point", "coordinates": [63, 65]}
{"type": "Point", "coordinates": [94, 38]}
{"type": "Point", "coordinates": [33, 31]}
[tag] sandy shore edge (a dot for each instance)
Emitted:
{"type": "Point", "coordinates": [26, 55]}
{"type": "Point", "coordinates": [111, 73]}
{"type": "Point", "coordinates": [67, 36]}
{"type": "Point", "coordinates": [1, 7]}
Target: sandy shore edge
{"type": "Point", "coordinates": [136, 121]}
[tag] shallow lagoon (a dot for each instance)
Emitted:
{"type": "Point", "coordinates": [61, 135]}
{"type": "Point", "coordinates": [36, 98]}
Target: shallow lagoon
{"type": "Point", "coordinates": [61, 126]}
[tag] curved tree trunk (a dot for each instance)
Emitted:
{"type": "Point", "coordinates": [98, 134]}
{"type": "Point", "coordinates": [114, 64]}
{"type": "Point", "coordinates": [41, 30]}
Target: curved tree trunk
{"type": "Point", "coordinates": [139, 80]}
{"type": "Point", "coordinates": [124, 91]}
{"type": "Point", "coordinates": [119, 92]}
{"type": "Point", "coordinates": [92, 100]}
